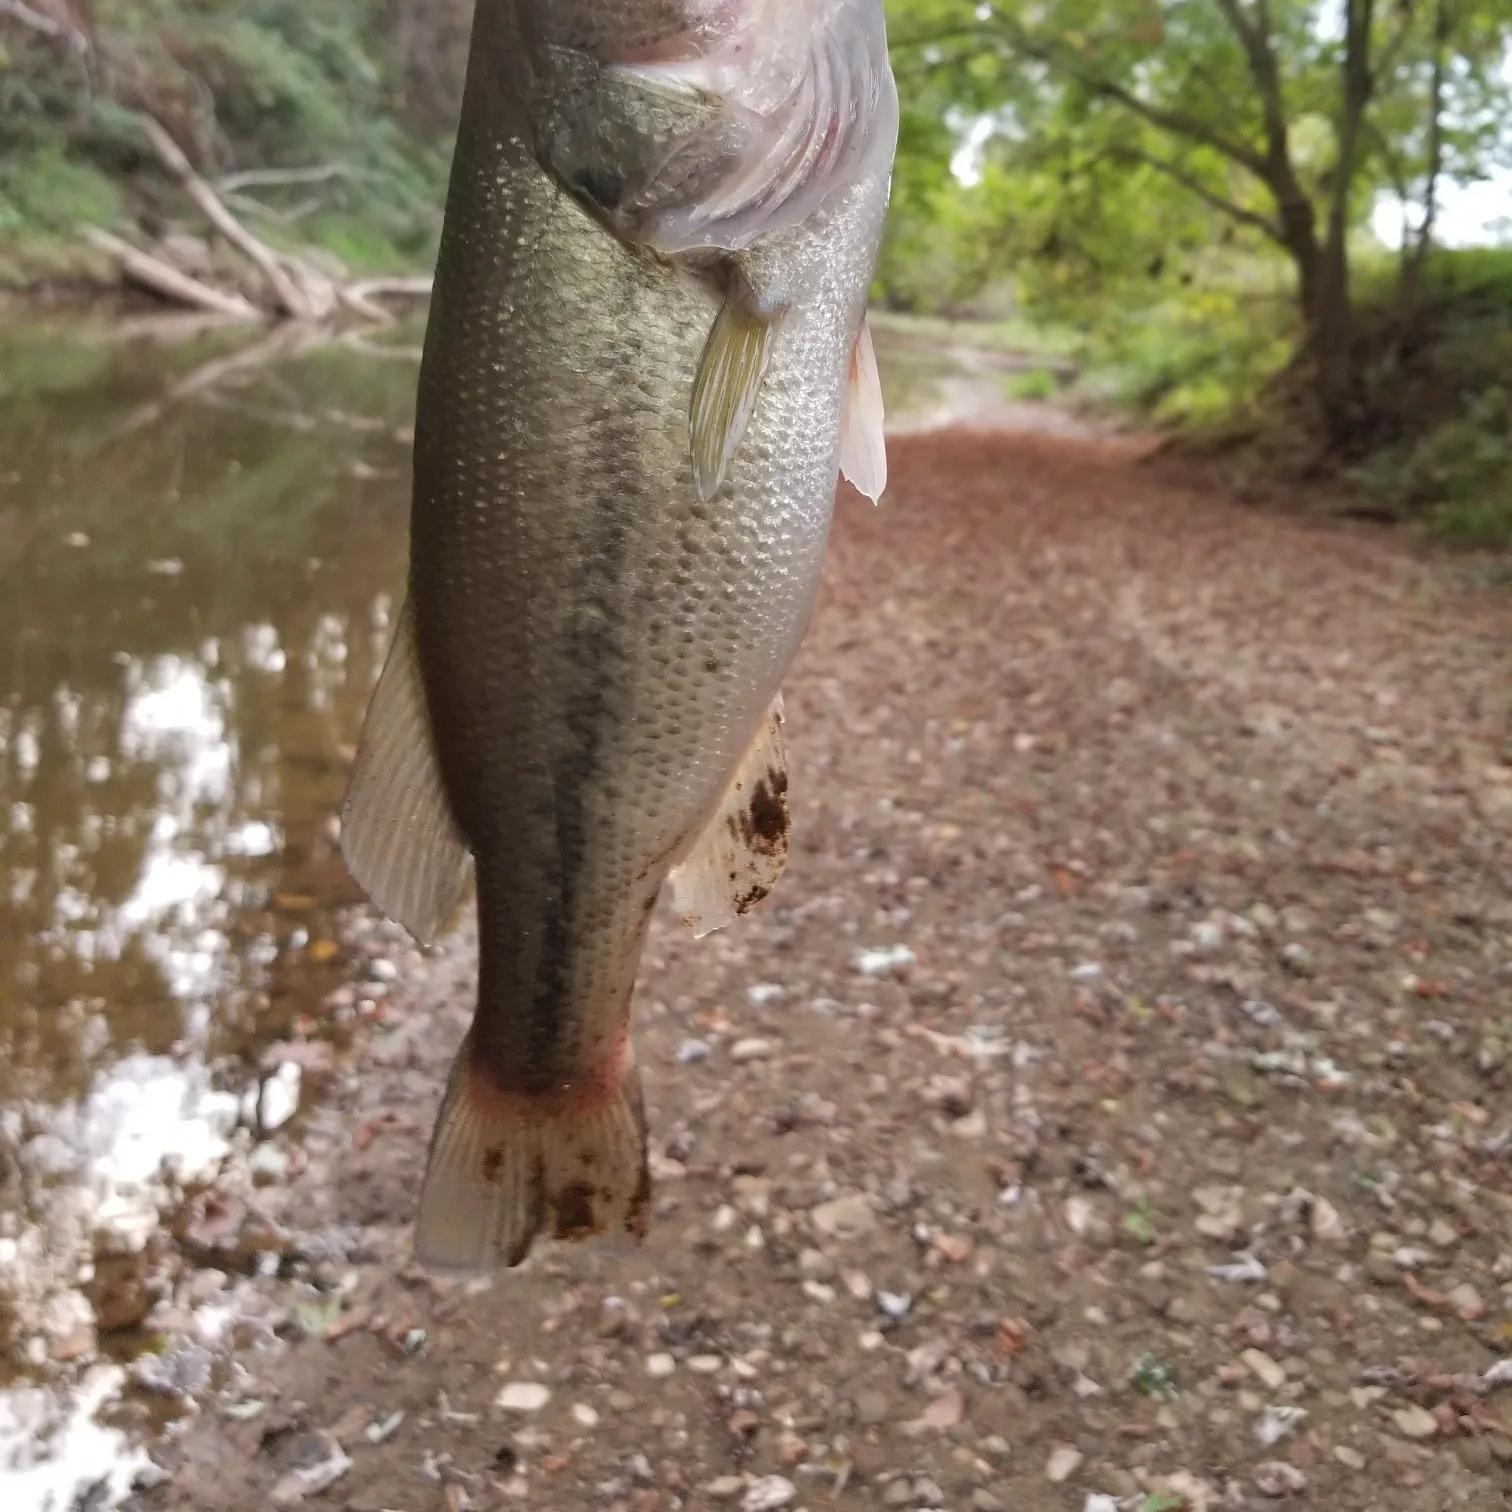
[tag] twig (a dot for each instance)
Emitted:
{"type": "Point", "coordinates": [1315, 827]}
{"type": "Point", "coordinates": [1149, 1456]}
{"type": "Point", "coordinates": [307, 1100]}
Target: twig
{"type": "Point", "coordinates": [292, 299]}
{"type": "Point", "coordinates": [169, 281]}
{"type": "Point", "coordinates": [404, 288]}
{"type": "Point", "coordinates": [256, 178]}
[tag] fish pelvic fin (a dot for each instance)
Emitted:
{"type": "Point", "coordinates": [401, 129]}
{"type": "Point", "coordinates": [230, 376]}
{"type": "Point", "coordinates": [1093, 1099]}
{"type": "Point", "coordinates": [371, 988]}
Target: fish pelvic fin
{"type": "Point", "coordinates": [863, 446]}
{"type": "Point", "coordinates": [398, 836]}
{"type": "Point", "coordinates": [742, 852]}
{"type": "Point", "coordinates": [508, 1166]}
{"type": "Point", "coordinates": [725, 387]}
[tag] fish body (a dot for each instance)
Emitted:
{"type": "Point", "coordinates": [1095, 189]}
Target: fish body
{"type": "Point", "coordinates": [646, 355]}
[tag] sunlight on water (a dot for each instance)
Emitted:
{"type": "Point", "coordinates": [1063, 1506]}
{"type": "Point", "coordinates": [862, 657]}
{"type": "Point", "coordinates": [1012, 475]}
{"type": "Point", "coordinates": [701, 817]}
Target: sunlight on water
{"type": "Point", "coordinates": [177, 699]}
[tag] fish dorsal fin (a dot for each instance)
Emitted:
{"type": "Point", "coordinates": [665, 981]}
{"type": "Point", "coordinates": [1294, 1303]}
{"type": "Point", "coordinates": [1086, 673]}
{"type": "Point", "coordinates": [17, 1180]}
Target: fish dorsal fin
{"type": "Point", "coordinates": [734, 362]}
{"type": "Point", "coordinates": [398, 835]}
{"type": "Point", "coordinates": [863, 446]}
{"type": "Point", "coordinates": [741, 853]}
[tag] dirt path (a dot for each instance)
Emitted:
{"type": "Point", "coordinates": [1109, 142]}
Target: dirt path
{"type": "Point", "coordinates": [1172, 1171]}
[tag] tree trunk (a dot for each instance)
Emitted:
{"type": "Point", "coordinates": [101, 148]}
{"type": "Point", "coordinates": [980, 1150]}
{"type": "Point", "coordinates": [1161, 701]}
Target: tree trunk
{"type": "Point", "coordinates": [1337, 383]}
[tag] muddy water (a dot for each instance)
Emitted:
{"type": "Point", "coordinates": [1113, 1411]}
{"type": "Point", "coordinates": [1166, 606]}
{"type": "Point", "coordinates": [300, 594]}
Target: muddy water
{"type": "Point", "coordinates": [201, 541]}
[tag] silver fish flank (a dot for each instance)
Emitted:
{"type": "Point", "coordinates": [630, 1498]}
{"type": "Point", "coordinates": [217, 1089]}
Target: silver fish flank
{"type": "Point", "coordinates": [647, 360]}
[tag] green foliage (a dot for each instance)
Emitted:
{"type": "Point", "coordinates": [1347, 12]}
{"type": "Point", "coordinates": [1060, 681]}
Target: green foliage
{"type": "Point", "coordinates": [1036, 383]}
{"type": "Point", "coordinates": [241, 84]}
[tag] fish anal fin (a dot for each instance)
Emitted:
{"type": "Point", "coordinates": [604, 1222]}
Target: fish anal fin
{"type": "Point", "coordinates": [725, 387]}
{"type": "Point", "coordinates": [863, 446]}
{"type": "Point", "coordinates": [507, 1167]}
{"type": "Point", "coordinates": [398, 836]}
{"type": "Point", "coordinates": [742, 852]}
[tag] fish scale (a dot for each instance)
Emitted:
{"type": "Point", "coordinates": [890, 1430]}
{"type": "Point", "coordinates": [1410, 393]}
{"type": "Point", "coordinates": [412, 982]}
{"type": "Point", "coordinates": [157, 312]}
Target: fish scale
{"type": "Point", "coordinates": [625, 469]}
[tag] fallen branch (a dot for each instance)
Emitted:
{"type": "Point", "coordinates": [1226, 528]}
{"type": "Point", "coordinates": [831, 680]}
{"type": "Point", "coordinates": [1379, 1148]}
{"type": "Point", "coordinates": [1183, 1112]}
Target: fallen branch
{"type": "Point", "coordinates": [292, 299]}
{"type": "Point", "coordinates": [18, 10]}
{"type": "Point", "coordinates": [259, 178]}
{"type": "Point", "coordinates": [163, 278]}
{"type": "Point", "coordinates": [297, 286]}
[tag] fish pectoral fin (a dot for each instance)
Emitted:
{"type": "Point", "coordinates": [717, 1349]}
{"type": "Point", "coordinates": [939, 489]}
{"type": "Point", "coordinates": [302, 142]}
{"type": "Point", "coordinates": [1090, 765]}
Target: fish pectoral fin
{"type": "Point", "coordinates": [505, 1167]}
{"type": "Point", "coordinates": [398, 836]}
{"type": "Point", "coordinates": [742, 852]}
{"type": "Point", "coordinates": [729, 377]}
{"type": "Point", "coordinates": [863, 446]}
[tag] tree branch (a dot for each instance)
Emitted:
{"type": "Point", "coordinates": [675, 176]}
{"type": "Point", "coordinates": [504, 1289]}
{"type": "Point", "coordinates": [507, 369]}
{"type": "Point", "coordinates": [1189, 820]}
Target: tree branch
{"type": "Point", "coordinates": [1066, 61]}
{"type": "Point", "coordinates": [1195, 186]}
{"type": "Point", "coordinates": [19, 11]}
{"type": "Point", "coordinates": [291, 297]}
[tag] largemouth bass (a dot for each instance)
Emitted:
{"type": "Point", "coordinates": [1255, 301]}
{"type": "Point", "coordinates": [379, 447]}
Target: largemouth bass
{"type": "Point", "coordinates": [646, 362]}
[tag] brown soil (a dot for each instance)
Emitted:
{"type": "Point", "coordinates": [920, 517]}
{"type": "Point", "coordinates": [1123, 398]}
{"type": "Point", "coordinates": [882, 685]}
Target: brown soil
{"type": "Point", "coordinates": [1197, 823]}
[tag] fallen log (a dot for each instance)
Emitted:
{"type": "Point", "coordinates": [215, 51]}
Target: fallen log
{"type": "Point", "coordinates": [297, 288]}
{"type": "Point", "coordinates": [301, 303]}
{"type": "Point", "coordinates": [163, 278]}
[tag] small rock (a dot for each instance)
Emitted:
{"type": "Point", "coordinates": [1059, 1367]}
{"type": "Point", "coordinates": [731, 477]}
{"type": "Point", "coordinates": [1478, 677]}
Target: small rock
{"type": "Point", "coordinates": [523, 1396]}
{"type": "Point", "coordinates": [660, 1365]}
{"type": "Point", "coordinates": [751, 1050]}
{"type": "Point", "coordinates": [1466, 1301]}
{"type": "Point", "coordinates": [768, 1493]}
{"type": "Point", "coordinates": [899, 1493]}
{"type": "Point", "coordinates": [1443, 1233]}
{"type": "Point", "coordinates": [584, 1415]}
{"type": "Point", "coordinates": [983, 1500]}
{"type": "Point", "coordinates": [1415, 1422]}
{"type": "Point", "coordinates": [724, 1487]}
{"type": "Point", "coordinates": [871, 1407]}
{"type": "Point", "coordinates": [1277, 1478]}
{"type": "Point", "coordinates": [1327, 1225]}
{"type": "Point", "coordinates": [1065, 1460]}
{"type": "Point", "coordinates": [880, 962]}
{"type": "Point", "coordinates": [846, 1217]}
{"type": "Point", "coordinates": [1261, 1364]}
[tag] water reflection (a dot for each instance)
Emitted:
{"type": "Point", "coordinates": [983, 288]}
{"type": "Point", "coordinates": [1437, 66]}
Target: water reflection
{"type": "Point", "coordinates": [193, 602]}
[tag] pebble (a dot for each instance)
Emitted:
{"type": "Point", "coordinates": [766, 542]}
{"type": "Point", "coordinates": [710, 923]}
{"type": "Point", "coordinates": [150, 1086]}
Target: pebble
{"type": "Point", "coordinates": [1466, 1301]}
{"type": "Point", "coordinates": [1261, 1364]}
{"type": "Point", "coordinates": [1065, 1460]}
{"type": "Point", "coordinates": [660, 1365]}
{"type": "Point", "coordinates": [1327, 1225]}
{"type": "Point", "coordinates": [751, 1050]}
{"type": "Point", "coordinates": [725, 1486]}
{"type": "Point", "coordinates": [523, 1396]}
{"type": "Point", "coordinates": [1277, 1478]}
{"type": "Point", "coordinates": [768, 1493]}
{"type": "Point", "coordinates": [584, 1415]}
{"type": "Point", "coordinates": [871, 1407]}
{"type": "Point", "coordinates": [846, 1217]}
{"type": "Point", "coordinates": [1415, 1422]}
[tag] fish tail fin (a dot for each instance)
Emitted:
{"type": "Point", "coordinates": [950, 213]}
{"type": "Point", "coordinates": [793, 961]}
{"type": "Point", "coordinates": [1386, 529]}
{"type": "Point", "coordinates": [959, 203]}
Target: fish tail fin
{"type": "Point", "coordinates": [506, 1166]}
